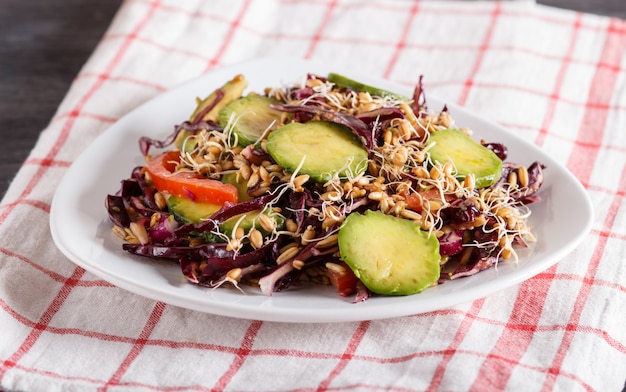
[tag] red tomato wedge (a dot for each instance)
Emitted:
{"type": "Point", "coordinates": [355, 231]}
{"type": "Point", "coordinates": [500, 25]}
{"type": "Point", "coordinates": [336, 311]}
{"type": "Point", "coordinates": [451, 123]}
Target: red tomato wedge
{"type": "Point", "coordinates": [190, 185]}
{"type": "Point", "coordinates": [345, 282]}
{"type": "Point", "coordinates": [414, 200]}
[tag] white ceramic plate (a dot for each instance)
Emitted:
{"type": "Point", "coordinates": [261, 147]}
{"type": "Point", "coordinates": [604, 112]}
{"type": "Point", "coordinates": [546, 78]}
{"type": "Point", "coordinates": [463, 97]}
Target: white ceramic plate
{"type": "Point", "coordinates": [82, 231]}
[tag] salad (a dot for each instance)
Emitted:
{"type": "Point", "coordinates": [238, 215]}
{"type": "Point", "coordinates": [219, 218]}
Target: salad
{"type": "Point", "coordinates": [330, 181]}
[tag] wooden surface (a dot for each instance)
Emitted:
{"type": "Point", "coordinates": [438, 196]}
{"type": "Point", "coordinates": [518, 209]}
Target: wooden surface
{"type": "Point", "coordinates": [44, 43]}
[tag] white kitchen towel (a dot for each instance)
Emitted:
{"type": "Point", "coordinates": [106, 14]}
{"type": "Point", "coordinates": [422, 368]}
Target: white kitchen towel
{"type": "Point", "coordinates": [557, 78]}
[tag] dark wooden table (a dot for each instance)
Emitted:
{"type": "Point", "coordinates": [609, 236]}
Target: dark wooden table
{"type": "Point", "coordinates": [43, 44]}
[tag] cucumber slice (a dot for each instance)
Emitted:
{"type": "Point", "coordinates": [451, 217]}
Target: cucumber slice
{"type": "Point", "coordinates": [252, 115]}
{"type": "Point", "coordinates": [467, 155]}
{"type": "Point", "coordinates": [346, 82]}
{"type": "Point", "coordinates": [326, 149]}
{"type": "Point", "coordinates": [390, 255]}
{"type": "Point", "coordinates": [188, 211]}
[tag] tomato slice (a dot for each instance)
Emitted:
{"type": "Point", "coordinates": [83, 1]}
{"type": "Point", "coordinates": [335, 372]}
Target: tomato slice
{"type": "Point", "coordinates": [345, 282]}
{"type": "Point", "coordinates": [414, 199]}
{"type": "Point", "coordinates": [190, 185]}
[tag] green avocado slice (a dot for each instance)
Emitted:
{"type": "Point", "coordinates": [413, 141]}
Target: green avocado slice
{"type": "Point", "coordinates": [390, 255]}
{"type": "Point", "coordinates": [320, 149]}
{"type": "Point", "coordinates": [251, 116]}
{"type": "Point", "coordinates": [467, 155]}
{"type": "Point", "coordinates": [345, 82]}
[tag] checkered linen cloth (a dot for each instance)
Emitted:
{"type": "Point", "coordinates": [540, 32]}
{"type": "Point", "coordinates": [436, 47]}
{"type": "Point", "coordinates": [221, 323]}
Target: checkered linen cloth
{"type": "Point", "coordinates": [558, 78]}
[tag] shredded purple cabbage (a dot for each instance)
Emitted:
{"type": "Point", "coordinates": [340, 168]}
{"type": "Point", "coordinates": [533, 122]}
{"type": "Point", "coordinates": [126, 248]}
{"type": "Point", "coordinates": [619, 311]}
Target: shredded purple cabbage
{"type": "Point", "coordinates": [418, 105]}
{"type": "Point", "coordinates": [145, 143]}
{"type": "Point", "coordinates": [358, 127]}
{"type": "Point", "coordinates": [526, 194]}
{"type": "Point", "coordinates": [451, 243]}
{"type": "Point", "coordinates": [209, 263]}
{"type": "Point", "coordinates": [227, 211]}
{"type": "Point", "coordinates": [499, 149]}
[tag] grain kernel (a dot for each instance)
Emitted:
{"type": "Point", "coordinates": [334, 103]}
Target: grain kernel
{"type": "Point", "coordinates": [256, 238]}
{"type": "Point", "coordinates": [245, 171]}
{"type": "Point", "coordinates": [503, 212]}
{"type": "Point", "coordinates": [291, 225]}
{"type": "Point", "coordinates": [400, 156]}
{"type": "Point", "coordinates": [358, 192]}
{"type": "Point", "coordinates": [435, 173]}
{"type": "Point", "coordinates": [253, 180]}
{"type": "Point", "coordinates": [267, 223]}
{"type": "Point", "coordinates": [363, 181]}
{"type": "Point", "coordinates": [434, 205]}
{"type": "Point", "coordinates": [273, 168]}
{"type": "Point", "coordinates": [406, 130]}
{"type": "Point", "coordinates": [233, 244]}
{"type": "Point", "coordinates": [511, 222]}
{"type": "Point", "coordinates": [328, 241]}
{"type": "Point", "coordinates": [297, 264]}
{"type": "Point", "coordinates": [239, 233]}
{"type": "Point", "coordinates": [264, 174]}
{"type": "Point", "coordinates": [331, 196]}
{"type": "Point", "coordinates": [234, 274]}
{"type": "Point", "coordinates": [300, 180]}
{"type": "Point", "coordinates": [387, 135]}
{"type": "Point", "coordinates": [288, 246]}
{"type": "Point", "coordinates": [373, 168]}
{"type": "Point", "coordinates": [160, 201]}
{"type": "Point", "coordinates": [479, 221]}
{"type": "Point", "coordinates": [119, 232]}
{"type": "Point", "coordinates": [331, 221]}
{"type": "Point", "coordinates": [307, 235]}
{"type": "Point", "coordinates": [522, 174]}
{"type": "Point", "coordinates": [469, 182]}
{"type": "Point", "coordinates": [375, 195]}
{"type": "Point", "coordinates": [337, 268]}
{"type": "Point", "coordinates": [139, 231]}
{"type": "Point", "coordinates": [154, 219]}
{"type": "Point", "coordinates": [412, 215]}
{"type": "Point", "coordinates": [227, 165]}
{"type": "Point", "coordinates": [215, 150]}
{"type": "Point", "coordinates": [403, 187]}
{"type": "Point", "coordinates": [260, 191]}
{"type": "Point", "coordinates": [287, 255]}
{"type": "Point", "coordinates": [314, 83]}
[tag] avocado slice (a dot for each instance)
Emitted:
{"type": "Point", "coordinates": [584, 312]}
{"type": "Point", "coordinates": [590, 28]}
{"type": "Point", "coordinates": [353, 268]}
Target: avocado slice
{"type": "Point", "coordinates": [240, 183]}
{"type": "Point", "coordinates": [231, 90]}
{"type": "Point", "coordinates": [390, 255]}
{"type": "Point", "coordinates": [327, 148]}
{"type": "Point", "coordinates": [250, 219]}
{"type": "Point", "coordinates": [345, 82]}
{"type": "Point", "coordinates": [252, 115]}
{"type": "Point", "coordinates": [467, 155]}
{"type": "Point", "coordinates": [188, 211]}
{"type": "Point", "coordinates": [182, 143]}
